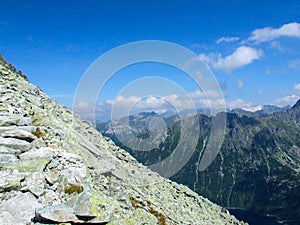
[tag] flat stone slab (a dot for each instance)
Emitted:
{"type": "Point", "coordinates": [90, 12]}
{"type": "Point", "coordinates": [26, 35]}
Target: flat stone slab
{"type": "Point", "coordinates": [13, 119]}
{"type": "Point", "coordinates": [37, 153]}
{"type": "Point", "coordinates": [15, 145]}
{"type": "Point", "coordinates": [19, 134]}
{"type": "Point", "coordinates": [19, 209]}
{"type": "Point", "coordinates": [87, 208]}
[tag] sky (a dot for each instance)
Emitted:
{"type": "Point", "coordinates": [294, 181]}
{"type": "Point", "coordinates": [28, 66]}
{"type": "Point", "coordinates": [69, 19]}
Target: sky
{"type": "Point", "coordinates": [251, 47]}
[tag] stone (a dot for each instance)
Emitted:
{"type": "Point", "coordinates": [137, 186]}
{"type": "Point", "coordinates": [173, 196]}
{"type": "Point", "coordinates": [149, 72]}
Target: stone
{"type": "Point", "coordinates": [35, 183]}
{"type": "Point", "coordinates": [10, 180]}
{"type": "Point", "coordinates": [49, 198]}
{"type": "Point", "coordinates": [14, 120]}
{"type": "Point", "coordinates": [74, 175]}
{"type": "Point", "coordinates": [52, 177]}
{"type": "Point", "coordinates": [72, 158]}
{"type": "Point", "coordinates": [37, 153]}
{"type": "Point", "coordinates": [14, 146]}
{"type": "Point", "coordinates": [83, 208]}
{"type": "Point", "coordinates": [19, 134]}
{"type": "Point", "coordinates": [32, 165]}
{"type": "Point", "coordinates": [30, 129]}
{"type": "Point", "coordinates": [7, 150]}
{"type": "Point", "coordinates": [38, 143]}
{"type": "Point", "coordinates": [19, 209]}
{"type": "Point", "coordinates": [57, 213]}
{"type": "Point", "coordinates": [6, 159]}
{"type": "Point", "coordinates": [93, 206]}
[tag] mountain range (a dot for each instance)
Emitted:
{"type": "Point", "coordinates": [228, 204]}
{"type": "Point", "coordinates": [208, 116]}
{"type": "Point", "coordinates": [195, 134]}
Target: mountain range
{"type": "Point", "coordinates": [257, 168]}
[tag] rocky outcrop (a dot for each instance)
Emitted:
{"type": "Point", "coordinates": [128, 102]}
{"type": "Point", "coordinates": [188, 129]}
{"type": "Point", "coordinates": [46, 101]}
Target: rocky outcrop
{"type": "Point", "coordinates": [56, 168]}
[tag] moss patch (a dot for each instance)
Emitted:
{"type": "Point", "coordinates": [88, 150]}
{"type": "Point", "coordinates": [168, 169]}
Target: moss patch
{"type": "Point", "coordinates": [73, 188]}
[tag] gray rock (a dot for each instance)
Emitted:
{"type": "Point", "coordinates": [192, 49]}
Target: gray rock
{"type": "Point", "coordinates": [38, 143]}
{"type": "Point", "coordinates": [83, 208]}
{"type": "Point", "coordinates": [7, 150]}
{"type": "Point", "coordinates": [10, 180]}
{"type": "Point", "coordinates": [49, 198]}
{"type": "Point", "coordinates": [72, 158]}
{"type": "Point", "coordinates": [19, 134]}
{"type": "Point", "coordinates": [74, 175]}
{"type": "Point", "coordinates": [58, 213]}
{"type": "Point", "coordinates": [18, 146]}
{"type": "Point", "coordinates": [6, 159]}
{"type": "Point", "coordinates": [14, 120]}
{"type": "Point", "coordinates": [32, 165]}
{"type": "Point", "coordinates": [93, 206]}
{"type": "Point", "coordinates": [35, 183]}
{"type": "Point", "coordinates": [37, 153]}
{"type": "Point", "coordinates": [7, 218]}
{"type": "Point", "coordinates": [19, 209]}
{"type": "Point", "coordinates": [30, 129]}
{"type": "Point", "coordinates": [52, 177]}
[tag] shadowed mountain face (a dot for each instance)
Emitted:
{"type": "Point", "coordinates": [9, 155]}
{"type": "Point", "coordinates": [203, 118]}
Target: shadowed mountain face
{"type": "Point", "coordinates": [57, 169]}
{"type": "Point", "coordinates": [257, 168]}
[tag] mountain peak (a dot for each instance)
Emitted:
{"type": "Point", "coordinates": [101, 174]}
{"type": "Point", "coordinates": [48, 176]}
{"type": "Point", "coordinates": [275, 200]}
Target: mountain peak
{"type": "Point", "coordinates": [297, 105]}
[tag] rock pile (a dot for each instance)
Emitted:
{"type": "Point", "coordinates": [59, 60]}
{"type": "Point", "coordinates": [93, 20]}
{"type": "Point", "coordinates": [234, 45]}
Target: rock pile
{"type": "Point", "coordinates": [56, 168]}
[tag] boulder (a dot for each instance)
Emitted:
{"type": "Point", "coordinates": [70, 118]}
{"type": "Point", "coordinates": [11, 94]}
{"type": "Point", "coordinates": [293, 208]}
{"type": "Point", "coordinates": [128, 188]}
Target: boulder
{"type": "Point", "coordinates": [37, 153]}
{"type": "Point", "coordinates": [87, 207]}
{"type": "Point", "coordinates": [10, 180]}
{"type": "Point", "coordinates": [19, 209]}
{"type": "Point", "coordinates": [14, 120]}
{"type": "Point", "coordinates": [13, 146]}
{"type": "Point", "coordinates": [19, 134]}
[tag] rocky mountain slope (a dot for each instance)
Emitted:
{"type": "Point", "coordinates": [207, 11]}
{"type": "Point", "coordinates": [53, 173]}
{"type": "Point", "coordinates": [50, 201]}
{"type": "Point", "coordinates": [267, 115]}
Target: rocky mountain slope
{"type": "Point", "coordinates": [257, 169]}
{"type": "Point", "coordinates": [56, 168]}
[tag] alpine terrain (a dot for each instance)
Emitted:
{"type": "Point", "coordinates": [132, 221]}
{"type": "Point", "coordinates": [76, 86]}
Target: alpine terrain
{"type": "Point", "coordinates": [257, 168]}
{"type": "Point", "coordinates": [56, 168]}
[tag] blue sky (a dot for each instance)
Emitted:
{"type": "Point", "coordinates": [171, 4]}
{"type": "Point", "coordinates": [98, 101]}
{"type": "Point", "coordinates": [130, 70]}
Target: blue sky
{"type": "Point", "coordinates": [252, 47]}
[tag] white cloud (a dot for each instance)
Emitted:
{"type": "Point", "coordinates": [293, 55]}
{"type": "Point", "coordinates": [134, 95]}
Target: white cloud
{"type": "Point", "coordinates": [287, 100]}
{"type": "Point", "coordinates": [239, 103]}
{"type": "Point", "coordinates": [125, 106]}
{"type": "Point", "coordinates": [240, 83]}
{"type": "Point", "coordinates": [290, 99]}
{"type": "Point", "coordinates": [277, 45]}
{"type": "Point", "coordinates": [297, 88]}
{"type": "Point", "coordinates": [227, 39]}
{"type": "Point", "coordinates": [269, 33]}
{"type": "Point", "coordinates": [242, 56]}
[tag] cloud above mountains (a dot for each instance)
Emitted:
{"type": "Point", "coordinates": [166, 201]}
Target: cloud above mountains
{"type": "Point", "coordinates": [242, 56]}
{"type": "Point", "coordinates": [242, 52]}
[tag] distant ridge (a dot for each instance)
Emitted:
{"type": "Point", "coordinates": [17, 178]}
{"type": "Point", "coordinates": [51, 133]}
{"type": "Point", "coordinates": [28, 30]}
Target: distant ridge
{"type": "Point", "coordinates": [257, 169]}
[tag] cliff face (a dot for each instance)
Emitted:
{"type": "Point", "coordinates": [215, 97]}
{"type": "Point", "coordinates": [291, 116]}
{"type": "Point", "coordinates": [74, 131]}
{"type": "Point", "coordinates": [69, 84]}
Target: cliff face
{"type": "Point", "coordinates": [56, 168]}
